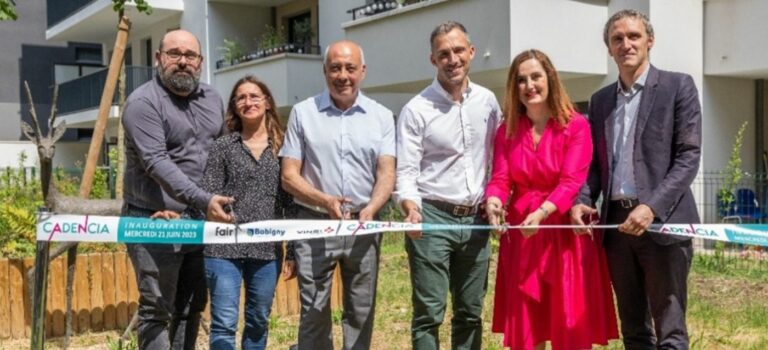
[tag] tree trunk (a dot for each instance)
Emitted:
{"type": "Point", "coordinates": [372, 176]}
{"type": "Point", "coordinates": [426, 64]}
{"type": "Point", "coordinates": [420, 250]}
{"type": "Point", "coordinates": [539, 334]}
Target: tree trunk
{"type": "Point", "coordinates": [71, 256]}
{"type": "Point", "coordinates": [97, 139]}
{"type": "Point", "coordinates": [120, 140]}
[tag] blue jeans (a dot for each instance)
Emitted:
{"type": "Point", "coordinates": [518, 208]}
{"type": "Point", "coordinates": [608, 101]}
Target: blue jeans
{"type": "Point", "coordinates": [224, 279]}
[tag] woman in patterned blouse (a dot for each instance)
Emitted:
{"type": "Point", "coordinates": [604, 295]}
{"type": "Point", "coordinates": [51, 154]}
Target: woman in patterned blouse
{"type": "Point", "coordinates": [244, 165]}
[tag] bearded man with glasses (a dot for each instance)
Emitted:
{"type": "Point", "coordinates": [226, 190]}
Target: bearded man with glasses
{"type": "Point", "coordinates": [170, 123]}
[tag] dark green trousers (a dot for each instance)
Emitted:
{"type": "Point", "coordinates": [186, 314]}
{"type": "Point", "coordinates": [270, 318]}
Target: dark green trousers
{"type": "Point", "coordinates": [442, 261]}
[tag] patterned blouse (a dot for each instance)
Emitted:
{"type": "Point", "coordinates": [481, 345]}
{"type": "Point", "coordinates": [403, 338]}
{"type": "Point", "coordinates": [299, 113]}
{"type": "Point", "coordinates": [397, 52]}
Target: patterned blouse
{"type": "Point", "coordinates": [232, 170]}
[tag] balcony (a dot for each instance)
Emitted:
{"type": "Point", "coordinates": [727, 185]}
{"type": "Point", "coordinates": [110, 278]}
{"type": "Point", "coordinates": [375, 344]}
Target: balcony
{"type": "Point", "coordinates": [499, 29]}
{"type": "Point", "coordinates": [79, 98]}
{"type": "Point", "coordinates": [376, 7]}
{"type": "Point", "coordinates": [95, 21]}
{"type": "Point", "coordinates": [300, 49]}
{"type": "Point", "coordinates": [291, 76]}
{"type": "Point", "coordinates": [732, 32]}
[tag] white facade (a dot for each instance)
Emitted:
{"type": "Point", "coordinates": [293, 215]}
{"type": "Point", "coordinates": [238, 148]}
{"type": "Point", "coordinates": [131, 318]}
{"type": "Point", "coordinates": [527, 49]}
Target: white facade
{"type": "Point", "coordinates": [718, 42]}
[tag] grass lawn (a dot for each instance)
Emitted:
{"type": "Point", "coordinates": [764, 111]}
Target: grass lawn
{"type": "Point", "coordinates": [728, 308]}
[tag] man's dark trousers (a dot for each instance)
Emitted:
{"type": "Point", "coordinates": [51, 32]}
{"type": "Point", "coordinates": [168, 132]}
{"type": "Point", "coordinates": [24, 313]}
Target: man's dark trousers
{"type": "Point", "coordinates": [650, 282]}
{"type": "Point", "coordinates": [172, 291]}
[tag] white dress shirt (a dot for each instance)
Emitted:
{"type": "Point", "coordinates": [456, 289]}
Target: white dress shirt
{"type": "Point", "coordinates": [444, 147]}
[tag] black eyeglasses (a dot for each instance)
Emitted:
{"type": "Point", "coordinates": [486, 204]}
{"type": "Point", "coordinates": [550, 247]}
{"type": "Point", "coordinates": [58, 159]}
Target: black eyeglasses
{"type": "Point", "coordinates": [192, 57]}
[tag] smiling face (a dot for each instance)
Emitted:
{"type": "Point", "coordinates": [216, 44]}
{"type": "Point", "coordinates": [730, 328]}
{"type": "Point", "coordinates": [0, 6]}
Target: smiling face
{"type": "Point", "coordinates": [532, 83]}
{"type": "Point", "coordinates": [452, 55]}
{"type": "Point", "coordinates": [629, 44]}
{"type": "Point", "coordinates": [344, 71]}
{"type": "Point", "coordinates": [251, 104]}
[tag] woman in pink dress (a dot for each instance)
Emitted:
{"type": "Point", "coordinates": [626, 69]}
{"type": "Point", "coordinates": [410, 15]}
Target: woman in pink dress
{"type": "Point", "coordinates": [552, 284]}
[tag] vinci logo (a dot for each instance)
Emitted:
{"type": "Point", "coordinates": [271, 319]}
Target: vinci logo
{"type": "Point", "coordinates": [84, 227]}
{"type": "Point", "coordinates": [317, 231]}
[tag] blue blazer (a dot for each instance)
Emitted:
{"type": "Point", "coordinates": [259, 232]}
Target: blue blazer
{"type": "Point", "coordinates": [667, 149]}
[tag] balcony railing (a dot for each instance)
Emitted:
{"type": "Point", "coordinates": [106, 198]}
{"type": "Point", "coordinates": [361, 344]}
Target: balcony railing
{"type": "Point", "coordinates": [85, 92]}
{"type": "Point", "coordinates": [266, 52]}
{"type": "Point", "coordinates": [379, 6]}
{"type": "Point", "coordinates": [58, 10]}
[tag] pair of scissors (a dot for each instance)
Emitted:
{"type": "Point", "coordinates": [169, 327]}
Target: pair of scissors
{"type": "Point", "coordinates": [229, 209]}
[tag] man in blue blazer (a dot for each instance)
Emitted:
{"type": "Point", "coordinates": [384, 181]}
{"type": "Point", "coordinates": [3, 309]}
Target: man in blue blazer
{"type": "Point", "coordinates": [646, 130]}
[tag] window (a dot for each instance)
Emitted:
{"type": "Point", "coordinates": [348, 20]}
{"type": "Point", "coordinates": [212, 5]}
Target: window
{"type": "Point", "coordinates": [88, 55]}
{"type": "Point", "coordinates": [128, 56]}
{"type": "Point", "coordinates": [63, 73]}
{"type": "Point", "coordinates": [300, 29]}
{"type": "Point", "coordinates": [147, 56]}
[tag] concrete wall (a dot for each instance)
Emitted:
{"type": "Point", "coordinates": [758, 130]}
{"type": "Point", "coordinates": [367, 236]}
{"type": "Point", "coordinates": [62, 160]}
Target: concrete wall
{"type": "Point", "coordinates": [9, 157]}
{"type": "Point", "coordinates": [291, 77]}
{"type": "Point", "coordinates": [331, 15]}
{"type": "Point", "coordinates": [569, 32]}
{"type": "Point", "coordinates": [136, 40]}
{"type": "Point", "coordinates": [10, 114]}
{"type": "Point", "coordinates": [679, 39]}
{"type": "Point", "coordinates": [29, 29]}
{"type": "Point", "coordinates": [735, 34]}
{"type": "Point", "coordinates": [397, 42]}
{"type": "Point", "coordinates": [137, 37]}
{"type": "Point", "coordinates": [68, 154]}
{"type": "Point", "coordinates": [727, 103]}
{"type": "Point", "coordinates": [393, 101]}
{"type": "Point", "coordinates": [244, 24]}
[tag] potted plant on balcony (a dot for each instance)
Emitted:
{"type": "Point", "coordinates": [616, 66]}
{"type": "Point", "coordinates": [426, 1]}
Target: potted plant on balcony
{"type": "Point", "coordinates": [231, 53]}
{"type": "Point", "coordinates": [272, 41]}
{"type": "Point", "coordinates": [303, 36]}
{"type": "Point", "coordinates": [731, 176]}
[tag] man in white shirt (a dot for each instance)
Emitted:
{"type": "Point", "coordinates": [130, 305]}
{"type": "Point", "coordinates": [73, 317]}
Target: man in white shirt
{"type": "Point", "coordinates": [339, 163]}
{"type": "Point", "coordinates": [444, 148]}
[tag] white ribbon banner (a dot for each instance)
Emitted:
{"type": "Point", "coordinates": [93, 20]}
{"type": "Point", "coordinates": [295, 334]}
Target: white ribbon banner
{"type": "Point", "coordinates": [87, 228]}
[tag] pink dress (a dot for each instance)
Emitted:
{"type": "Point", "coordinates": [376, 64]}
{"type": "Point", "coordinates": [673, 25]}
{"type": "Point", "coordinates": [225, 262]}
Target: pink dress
{"type": "Point", "coordinates": [553, 285]}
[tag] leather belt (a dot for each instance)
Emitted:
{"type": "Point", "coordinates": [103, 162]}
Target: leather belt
{"type": "Point", "coordinates": [626, 203]}
{"type": "Point", "coordinates": [453, 209]}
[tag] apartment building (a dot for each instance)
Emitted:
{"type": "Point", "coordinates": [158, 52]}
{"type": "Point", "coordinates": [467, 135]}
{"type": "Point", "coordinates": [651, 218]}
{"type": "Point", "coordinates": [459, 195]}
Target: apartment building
{"type": "Point", "coordinates": [28, 56]}
{"type": "Point", "coordinates": [721, 43]}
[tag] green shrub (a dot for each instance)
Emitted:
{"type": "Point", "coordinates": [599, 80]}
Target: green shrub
{"type": "Point", "coordinates": [21, 196]}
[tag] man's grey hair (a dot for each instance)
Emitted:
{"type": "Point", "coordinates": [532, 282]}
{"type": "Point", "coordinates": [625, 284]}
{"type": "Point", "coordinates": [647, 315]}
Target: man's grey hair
{"type": "Point", "coordinates": [328, 48]}
{"type": "Point", "coordinates": [445, 28]}
{"type": "Point", "coordinates": [627, 13]}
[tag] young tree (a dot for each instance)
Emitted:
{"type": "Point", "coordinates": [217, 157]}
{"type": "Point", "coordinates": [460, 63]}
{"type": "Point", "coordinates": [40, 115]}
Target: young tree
{"type": "Point", "coordinates": [8, 10]}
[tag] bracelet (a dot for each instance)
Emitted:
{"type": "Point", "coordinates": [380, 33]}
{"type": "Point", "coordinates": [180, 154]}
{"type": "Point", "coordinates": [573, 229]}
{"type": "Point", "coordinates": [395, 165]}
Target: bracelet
{"type": "Point", "coordinates": [546, 212]}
